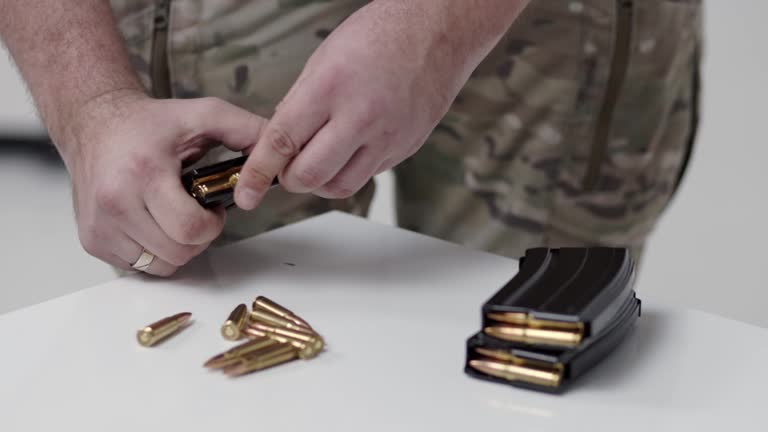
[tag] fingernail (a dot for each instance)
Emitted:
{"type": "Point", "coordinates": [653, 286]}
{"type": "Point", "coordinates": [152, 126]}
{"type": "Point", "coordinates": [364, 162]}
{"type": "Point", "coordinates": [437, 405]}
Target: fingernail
{"type": "Point", "coordinates": [247, 198]}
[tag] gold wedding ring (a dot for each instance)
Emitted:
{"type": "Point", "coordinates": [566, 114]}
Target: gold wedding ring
{"type": "Point", "coordinates": [144, 261]}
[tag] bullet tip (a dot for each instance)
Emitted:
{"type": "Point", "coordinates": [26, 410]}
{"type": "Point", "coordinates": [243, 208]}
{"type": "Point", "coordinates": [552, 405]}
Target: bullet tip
{"type": "Point", "coordinates": [212, 362]}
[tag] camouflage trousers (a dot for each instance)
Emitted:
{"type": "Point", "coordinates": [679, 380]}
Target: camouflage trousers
{"type": "Point", "coordinates": [574, 130]}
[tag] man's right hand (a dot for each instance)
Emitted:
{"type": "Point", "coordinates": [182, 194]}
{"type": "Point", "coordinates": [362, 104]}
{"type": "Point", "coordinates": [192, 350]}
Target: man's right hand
{"type": "Point", "coordinates": [124, 152]}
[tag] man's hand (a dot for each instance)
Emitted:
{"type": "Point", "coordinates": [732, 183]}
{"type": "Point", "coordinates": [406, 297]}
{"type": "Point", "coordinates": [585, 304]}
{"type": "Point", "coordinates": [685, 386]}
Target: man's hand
{"type": "Point", "coordinates": [371, 94]}
{"type": "Point", "coordinates": [125, 167]}
{"type": "Point", "coordinates": [123, 149]}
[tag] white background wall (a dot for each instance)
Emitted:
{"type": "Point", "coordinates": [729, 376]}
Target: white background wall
{"type": "Point", "coordinates": [708, 252]}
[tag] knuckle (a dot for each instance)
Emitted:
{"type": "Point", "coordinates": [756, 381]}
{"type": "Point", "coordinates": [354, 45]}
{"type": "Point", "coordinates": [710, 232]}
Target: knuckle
{"type": "Point", "coordinates": [109, 199]}
{"type": "Point", "coordinates": [369, 113]}
{"type": "Point", "coordinates": [255, 178]}
{"type": "Point", "coordinates": [281, 142]}
{"type": "Point", "coordinates": [341, 189]}
{"type": "Point", "coordinates": [91, 243]}
{"type": "Point", "coordinates": [179, 256]}
{"type": "Point", "coordinates": [210, 105]}
{"type": "Point", "coordinates": [196, 111]}
{"type": "Point", "coordinates": [90, 246]}
{"type": "Point", "coordinates": [143, 166]}
{"type": "Point", "coordinates": [390, 135]}
{"type": "Point", "coordinates": [333, 76]}
{"type": "Point", "coordinates": [191, 230]}
{"type": "Point", "coordinates": [310, 178]}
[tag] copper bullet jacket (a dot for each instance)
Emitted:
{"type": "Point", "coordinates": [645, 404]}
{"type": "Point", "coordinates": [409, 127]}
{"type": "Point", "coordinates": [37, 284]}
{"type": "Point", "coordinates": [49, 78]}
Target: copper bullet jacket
{"type": "Point", "coordinates": [160, 330]}
{"type": "Point", "coordinates": [233, 326]}
{"type": "Point", "coordinates": [285, 313]}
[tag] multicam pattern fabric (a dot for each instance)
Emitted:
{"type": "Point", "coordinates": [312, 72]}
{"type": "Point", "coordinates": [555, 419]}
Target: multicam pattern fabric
{"type": "Point", "coordinates": [506, 169]}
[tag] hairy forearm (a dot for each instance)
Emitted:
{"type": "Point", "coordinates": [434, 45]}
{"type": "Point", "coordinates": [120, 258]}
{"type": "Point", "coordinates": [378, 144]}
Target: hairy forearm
{"type": "Point", "coordinates": [456, 34]}
{"type": "Point", "coordinates": [474, 27]}
{"type": "Point", "coordinates": [69, 52]}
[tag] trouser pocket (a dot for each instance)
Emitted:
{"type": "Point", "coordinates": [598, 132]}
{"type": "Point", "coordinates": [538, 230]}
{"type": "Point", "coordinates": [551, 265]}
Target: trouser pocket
{"type": "Point", "coordinates": [622, 47]}
{"type": "Point", "coordinates": [158, 68]}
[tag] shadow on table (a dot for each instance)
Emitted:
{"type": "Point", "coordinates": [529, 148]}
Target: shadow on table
{"type": "Point", "coordinates": [628, 361]}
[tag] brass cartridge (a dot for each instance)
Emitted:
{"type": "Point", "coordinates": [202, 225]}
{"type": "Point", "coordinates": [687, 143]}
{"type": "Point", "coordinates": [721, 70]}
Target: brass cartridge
{"type": "Point", "coordinates": [236, 322]}
{"type": "Point", "coordinates": [265, 303]}
{"type": "Point", "coordinates": [534, 335]}
{"type": "Point", "coordinates": [233, 355]}
{"type": "Point", "coordinates": [520, 370]}
{"type": "Point", "coordinates": [524, 319]}
{"type": "Point", "coordinates": [265, 317]}
{"type": "Point", "coordinates": [160, 330]}
{"type": "Point", "coordinates": [219, 182]}
{"type": "Point", "coordinates": [306, 350]}
{"type": "Point", "coordinates": [524, 328]}
{"type": "Point", "coordinates": [273, 356]}
{"type": "Point", "coordinates": [310, 338]}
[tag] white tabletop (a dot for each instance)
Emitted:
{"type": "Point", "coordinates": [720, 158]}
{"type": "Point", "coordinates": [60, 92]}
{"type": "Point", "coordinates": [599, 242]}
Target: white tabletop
{"type": "Point", "coordinates": [395, 309]}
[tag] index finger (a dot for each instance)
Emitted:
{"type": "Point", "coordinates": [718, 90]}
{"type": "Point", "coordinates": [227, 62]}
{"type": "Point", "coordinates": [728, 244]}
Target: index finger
{"type": "Point", "coordinates": [289, 130]}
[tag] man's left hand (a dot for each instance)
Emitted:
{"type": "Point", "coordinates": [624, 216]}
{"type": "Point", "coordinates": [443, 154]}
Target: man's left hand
{"type": "Point", "coordinates": [367, 99]}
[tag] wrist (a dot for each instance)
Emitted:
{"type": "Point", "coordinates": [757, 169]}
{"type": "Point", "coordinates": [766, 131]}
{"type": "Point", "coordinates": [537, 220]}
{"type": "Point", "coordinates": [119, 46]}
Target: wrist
{"type": "Point", "coordinates": [73, 126]}
{"type": "Point", "coordinates": [467, 30]}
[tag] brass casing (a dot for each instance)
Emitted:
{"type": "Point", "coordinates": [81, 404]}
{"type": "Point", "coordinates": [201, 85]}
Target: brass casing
{"type": "Point", "coordinates": [534, 336]}
{"type": "Point", "coordinates": [272, 356]}
{"type": "Point", "coordinates": [290, 334]}
{"type": "Point", "coordinates": [524, 319]}
{"type": "Point", "coordinates": [265, 317]}
{"type": "Point", "coordinates": [160, 330]}
{"type": "Point", "coordinates": [523, 328]}
{"type": "Point", "coordinates": [306, 350]}
{"type": "Point", "coordinates": [308, 347]}
{"type": "Point", "coordinates": [233, 179]}
{"type": "Point", "coordinates": [232, 328]}
{"type": "Point", "coordinates": [216, 182]}
{"type": "Point", "coordinates": [246, 349]}
{"type": "Point", "coordinates": [505, 366]}
{"type": "Point", "coordinates": [265, 303]}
